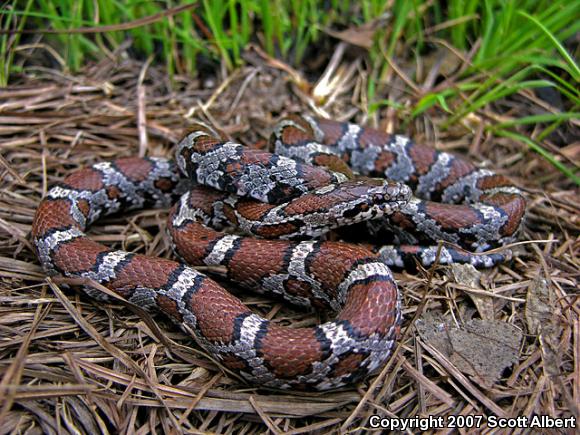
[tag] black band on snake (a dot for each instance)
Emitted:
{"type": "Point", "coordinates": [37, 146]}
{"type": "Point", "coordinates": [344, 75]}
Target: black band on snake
{"type": "Point", "coordinates": [285, 195]}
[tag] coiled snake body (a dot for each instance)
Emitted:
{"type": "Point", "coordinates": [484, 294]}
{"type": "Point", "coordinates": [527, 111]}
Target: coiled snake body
{"type": "Point", "coordinates": [272, 196]}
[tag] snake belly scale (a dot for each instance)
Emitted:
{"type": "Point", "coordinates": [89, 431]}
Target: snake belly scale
{"type": "Point", "coordinates": [288, 198]}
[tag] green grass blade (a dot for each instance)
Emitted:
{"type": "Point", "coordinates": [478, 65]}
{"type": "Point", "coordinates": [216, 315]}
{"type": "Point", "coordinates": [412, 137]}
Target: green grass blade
{"type": "Point", "coordinates": [557, 44]}
{"type": "Point", "coordinates": [543, 152]}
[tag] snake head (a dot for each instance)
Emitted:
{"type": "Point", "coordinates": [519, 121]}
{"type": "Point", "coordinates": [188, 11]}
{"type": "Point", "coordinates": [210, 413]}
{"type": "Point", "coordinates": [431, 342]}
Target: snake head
{"type": "Point", "coordinates": [389, 191]}
{"type": "Point", "coordinates": [381, 197]}
{"type": "Point", "coordinates": [357, 201]}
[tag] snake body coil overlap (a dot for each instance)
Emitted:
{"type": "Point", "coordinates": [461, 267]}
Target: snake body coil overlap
{"type": "Point", "coordinates": [272, 196]}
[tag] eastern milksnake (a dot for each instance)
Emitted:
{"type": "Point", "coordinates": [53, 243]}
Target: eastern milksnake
{"type": "Point", "coordinates": [272, 196]}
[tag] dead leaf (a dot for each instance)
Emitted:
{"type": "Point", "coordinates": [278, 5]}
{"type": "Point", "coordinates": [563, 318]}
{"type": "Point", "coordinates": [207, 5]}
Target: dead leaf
{"type": "Point", "coordinates": [469, 276]}
{"type": "Point", "coordinates": [482, 348]}
{"type": "Point", "coordinates": [572, 151]}
{"type": "Point", "coordinates": [361, 36]}
{"type": "Point", "coordinates": [444, 59]}
{"type": "Point", "coordinates": [542, 314]}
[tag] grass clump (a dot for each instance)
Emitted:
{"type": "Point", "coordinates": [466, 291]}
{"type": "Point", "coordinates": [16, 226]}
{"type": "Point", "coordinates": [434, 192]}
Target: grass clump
{"type": "Point", "coordinates": [504, 47]}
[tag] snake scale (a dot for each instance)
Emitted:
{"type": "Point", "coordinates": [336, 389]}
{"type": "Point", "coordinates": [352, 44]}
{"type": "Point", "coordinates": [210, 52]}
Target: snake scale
{"type": "Point", "coordinates": [290, 196]}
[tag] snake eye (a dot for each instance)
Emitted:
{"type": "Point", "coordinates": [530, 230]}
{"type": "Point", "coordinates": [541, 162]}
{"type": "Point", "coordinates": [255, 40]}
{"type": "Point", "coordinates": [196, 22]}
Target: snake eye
{"type": "Point", "coordinates": [356, 211]}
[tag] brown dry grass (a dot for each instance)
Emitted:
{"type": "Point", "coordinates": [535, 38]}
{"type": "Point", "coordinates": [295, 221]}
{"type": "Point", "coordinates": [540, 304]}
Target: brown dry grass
{"type": "Point", "coordinates": [68, 364]}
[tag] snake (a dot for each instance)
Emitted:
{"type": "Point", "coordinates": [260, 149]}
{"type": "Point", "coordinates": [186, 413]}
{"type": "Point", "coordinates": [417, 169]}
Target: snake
{"type": "Point", "coordinates": [323, 175]}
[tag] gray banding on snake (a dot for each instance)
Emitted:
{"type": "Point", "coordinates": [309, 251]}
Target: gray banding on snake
{"type": "Point", "coordinates": [455, 202]}
{"type": "Point", "coordinates": [334, 275]}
